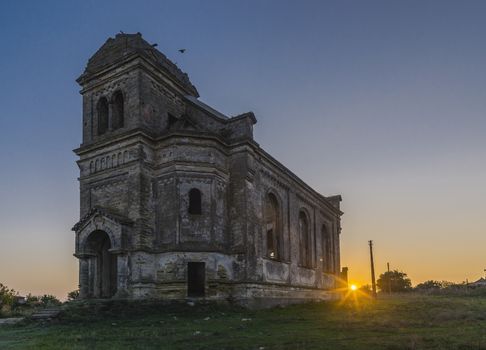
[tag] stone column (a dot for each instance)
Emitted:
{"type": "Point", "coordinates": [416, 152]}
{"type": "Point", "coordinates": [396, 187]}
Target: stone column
{"type": "Point", "coordinates": [122, 275]}
{"type": "Point", "coordinates": [83, 277]}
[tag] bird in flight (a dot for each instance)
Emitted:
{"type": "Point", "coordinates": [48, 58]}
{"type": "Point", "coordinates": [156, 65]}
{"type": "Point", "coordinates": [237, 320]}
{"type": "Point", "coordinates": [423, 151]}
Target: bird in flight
{"type": "Point", "coordinates": [182, 50]}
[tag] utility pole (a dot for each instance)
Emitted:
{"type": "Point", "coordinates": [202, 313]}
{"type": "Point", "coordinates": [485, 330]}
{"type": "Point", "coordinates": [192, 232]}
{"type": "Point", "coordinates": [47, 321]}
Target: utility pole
{"type": "Point", "coordinates": [389, 277]}
{"type": "Point", "coordinates": [373, 282]}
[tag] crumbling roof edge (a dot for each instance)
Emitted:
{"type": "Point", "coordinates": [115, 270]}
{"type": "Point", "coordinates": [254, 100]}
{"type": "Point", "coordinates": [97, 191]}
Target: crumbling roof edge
{"type": "Point", "coordinates": [215, 113]}
{"type": "Point", "coordinates": [206, 108]}
{"type": "Point", "coordinates": [137, 47]}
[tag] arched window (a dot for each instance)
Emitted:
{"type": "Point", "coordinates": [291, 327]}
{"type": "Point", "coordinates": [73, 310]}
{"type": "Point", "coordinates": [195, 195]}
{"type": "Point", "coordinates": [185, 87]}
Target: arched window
{"type": "Point", "coordinates": [326, 249]}
{"type": "Point", "coordinates": [117, 115]}
{"type": "Point", "coordinates": [102, 115]}
{"type": "Point", "coordinates": [305, 241]}
{"type": "Point", "coordinates": [194, 202]}
{"type": "Point", "coordinates": [272, 227]}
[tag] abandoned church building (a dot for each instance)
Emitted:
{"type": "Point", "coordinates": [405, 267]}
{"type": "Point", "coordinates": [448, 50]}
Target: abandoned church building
{"type": "Point", "coordinates": [179, 201]}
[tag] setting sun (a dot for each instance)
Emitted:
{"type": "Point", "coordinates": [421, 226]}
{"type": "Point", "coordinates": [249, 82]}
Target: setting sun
{"type": "Point", "coordinates": [353, 287]}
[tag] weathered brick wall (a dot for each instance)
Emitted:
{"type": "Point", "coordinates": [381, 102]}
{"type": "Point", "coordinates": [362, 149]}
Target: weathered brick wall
{"type": "Point", "coordinates": [126, 81]}
{"type": "Point", "coordinates": [293, 198]}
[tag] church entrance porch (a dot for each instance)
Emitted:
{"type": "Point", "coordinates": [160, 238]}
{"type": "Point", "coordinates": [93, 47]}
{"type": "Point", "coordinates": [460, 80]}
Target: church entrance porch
{"type": "Point", "coordinates": [102, 266]}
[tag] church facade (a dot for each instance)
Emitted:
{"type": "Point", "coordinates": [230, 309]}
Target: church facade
{"type": "Point", "coordinates": [179, 201]}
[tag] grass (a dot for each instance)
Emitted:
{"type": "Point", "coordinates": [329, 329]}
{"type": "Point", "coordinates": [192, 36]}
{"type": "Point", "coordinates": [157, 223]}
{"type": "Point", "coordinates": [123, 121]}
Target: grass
{"type": "Point", "coordinates": [398, 322]}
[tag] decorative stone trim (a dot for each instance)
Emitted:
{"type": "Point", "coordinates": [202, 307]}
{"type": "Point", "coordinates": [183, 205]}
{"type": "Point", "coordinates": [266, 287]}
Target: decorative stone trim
{"type": "Point", "coordinates": [110, 161]}
{"type": "Point", "coordinates": [103, 212]}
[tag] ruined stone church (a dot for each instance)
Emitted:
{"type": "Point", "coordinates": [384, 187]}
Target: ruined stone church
{"type": "Point", "coordinates": [179, 201]}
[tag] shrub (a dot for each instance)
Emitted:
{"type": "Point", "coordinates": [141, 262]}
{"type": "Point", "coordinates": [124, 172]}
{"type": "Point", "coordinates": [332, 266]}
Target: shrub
{"type": "Point", "coordinates": [428, 286]}
{"type": "Point", "coordinates": [7, 295]}
{"type": "Point", "coordinates": [49, 300]}
{"type": "Point", "coordinates": [73, 295]}
{"type": "Point", "coordinates": [7, 298]}
{"type": "Point", "coordinates": [32, 300]}
{"type": "Point", "coordinates": [366, 289]}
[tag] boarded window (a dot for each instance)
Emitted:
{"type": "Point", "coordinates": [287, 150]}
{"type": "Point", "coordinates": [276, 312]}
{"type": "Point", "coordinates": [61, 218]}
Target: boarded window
{"type": "Point", "coordinates": [118, 116]}
{"type": "Point", "coordinates": [102, 116]}
{"type": "Point", "coordinates": [305, 241]}
{"type": "Point", "coordinates": [195, 207]}
{"type": "Point", "coordinates": [272, 227]}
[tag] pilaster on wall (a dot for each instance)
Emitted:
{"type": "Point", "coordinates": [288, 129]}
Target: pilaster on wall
{"type": "Point", "coordinates": [83, 278]}
{"type": "Point", "coordinates": [241, 230]}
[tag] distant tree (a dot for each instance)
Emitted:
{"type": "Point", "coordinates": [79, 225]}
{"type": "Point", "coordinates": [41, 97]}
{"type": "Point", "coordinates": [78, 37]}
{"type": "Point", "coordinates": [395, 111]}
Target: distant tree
{"type": "Point", "coordinates": [32, 300]}
{"type": "Point", "coordinates": [428, 286]}
{"type": "Point", "coordinates": [431, 285]}
{"type": "Point", "coordinates": [73, 295]}
{"type": "Point", "coordinates": [447, 284]}
{"type": "Point", "coordinates": [49, 300]}
{"type": "Point", "coordinates": [394, 281]}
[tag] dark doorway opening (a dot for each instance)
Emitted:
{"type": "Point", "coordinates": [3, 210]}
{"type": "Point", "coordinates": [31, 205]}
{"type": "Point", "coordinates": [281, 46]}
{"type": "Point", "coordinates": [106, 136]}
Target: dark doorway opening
{"type": "Point", "coordinates": [104, 272]}
{"type": "Point", "coordinates": [196, 279]}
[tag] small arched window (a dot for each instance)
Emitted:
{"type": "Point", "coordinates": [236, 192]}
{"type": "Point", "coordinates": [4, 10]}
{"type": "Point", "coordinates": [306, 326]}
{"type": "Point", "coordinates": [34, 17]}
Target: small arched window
{"type": "Point", "coordinates": [195, 207]}
{"type": "Point", "coordinates": [102, 109]}
{"type": "Point", "coordinates": [305, 241]}
{"type": "Point", "coordinates": [117, 116]}
{"type": "Point", "coordinates": [272, 227]}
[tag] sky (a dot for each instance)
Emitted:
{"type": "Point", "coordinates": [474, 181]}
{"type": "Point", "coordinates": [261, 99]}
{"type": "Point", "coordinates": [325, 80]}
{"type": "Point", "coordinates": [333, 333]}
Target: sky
{"type": "Point", "coordinates": [383, 102]}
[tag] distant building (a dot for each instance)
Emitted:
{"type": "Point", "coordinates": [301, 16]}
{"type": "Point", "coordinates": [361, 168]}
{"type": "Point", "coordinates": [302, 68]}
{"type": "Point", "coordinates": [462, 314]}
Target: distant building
{"type": "Point", "coordinates": [479, 283]}
{"type": "Point", "coordinates": [178, 200]}
{"type": "Point", "coordinates": [19, 300]}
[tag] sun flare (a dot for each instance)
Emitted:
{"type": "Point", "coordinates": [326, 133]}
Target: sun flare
{"type": "Point", "coordinates": [353, 287]}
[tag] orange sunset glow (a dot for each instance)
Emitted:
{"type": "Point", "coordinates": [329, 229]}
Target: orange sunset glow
{"type": "Point", "coordinates": [383, 105]}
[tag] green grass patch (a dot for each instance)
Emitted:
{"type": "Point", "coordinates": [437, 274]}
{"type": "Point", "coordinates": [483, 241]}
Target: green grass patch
{"type": "Point", "coordinates": [399, 322]}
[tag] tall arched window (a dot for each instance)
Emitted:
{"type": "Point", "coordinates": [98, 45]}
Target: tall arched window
{"type": "Point", "coordinates": [102, 109]}
{"type": "Point", "coordinates": [305, 241]}
{"type": "Point", "coordinates": [117, 115]}
{"type": "Point", "coordinates": [326, 249]}
{"type": "Point", "coordinates": [272, 227]}
{"type": "Point", "coordinates": [195, 207]}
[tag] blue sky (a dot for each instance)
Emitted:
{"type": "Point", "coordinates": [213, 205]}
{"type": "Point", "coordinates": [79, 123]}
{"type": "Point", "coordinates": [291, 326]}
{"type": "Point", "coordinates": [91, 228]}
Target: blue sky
{"type": "Point", "coordinates": [383, 102]}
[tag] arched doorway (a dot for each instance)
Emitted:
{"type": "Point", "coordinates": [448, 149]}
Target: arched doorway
{"type": "Point", "coordinates": [103, 265]}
